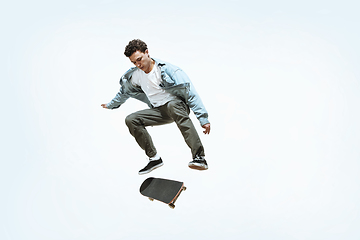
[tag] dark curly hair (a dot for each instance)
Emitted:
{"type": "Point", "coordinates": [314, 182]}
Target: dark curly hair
{"type": "Point", "coordinates": [133, 46]}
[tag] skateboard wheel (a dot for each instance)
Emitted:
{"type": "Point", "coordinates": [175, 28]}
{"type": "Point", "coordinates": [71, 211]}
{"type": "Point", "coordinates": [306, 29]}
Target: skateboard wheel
{"type": "Point", "coordinates": [151, 199]}
{"type": "Point", "coordinates": [171, 205]}
{"type": "Point", "coordinates": [184, 188]}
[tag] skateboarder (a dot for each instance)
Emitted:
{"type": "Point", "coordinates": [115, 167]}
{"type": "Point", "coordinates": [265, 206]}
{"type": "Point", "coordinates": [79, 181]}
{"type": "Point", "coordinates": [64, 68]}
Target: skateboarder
{"type": "Point", "coordinates": [169, 93]}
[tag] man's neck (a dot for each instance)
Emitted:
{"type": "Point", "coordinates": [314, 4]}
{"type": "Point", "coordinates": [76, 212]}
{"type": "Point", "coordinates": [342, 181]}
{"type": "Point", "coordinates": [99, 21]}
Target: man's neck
{"type": "Point", "coordinates": [152, 64]}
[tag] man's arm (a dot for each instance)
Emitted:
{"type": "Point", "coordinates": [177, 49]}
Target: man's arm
{"type": "Point", "coordinates": [117, 101]}
{"type": "Point", "coordinates": [193, 99]}
{"type": "Point", "coordinates": [121, 96]}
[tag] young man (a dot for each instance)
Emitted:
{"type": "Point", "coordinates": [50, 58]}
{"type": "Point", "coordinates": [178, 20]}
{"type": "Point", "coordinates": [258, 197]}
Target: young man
{"type": "Point", "coordinates": [169, 93]}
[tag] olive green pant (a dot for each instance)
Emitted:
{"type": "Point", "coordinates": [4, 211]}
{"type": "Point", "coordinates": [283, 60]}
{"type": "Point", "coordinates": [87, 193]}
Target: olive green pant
{"type": "Point", "coordinates": [174, 111]}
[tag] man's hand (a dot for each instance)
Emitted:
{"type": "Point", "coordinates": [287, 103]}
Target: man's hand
{"type": "Point", "coordinates": [207, 128]}
{"type": "Point", "coordinates": [104, 105]}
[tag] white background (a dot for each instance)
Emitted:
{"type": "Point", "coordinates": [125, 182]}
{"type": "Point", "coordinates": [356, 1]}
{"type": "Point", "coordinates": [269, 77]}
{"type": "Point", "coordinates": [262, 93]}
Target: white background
{"type": "Point", "coordinates": [280, 81]}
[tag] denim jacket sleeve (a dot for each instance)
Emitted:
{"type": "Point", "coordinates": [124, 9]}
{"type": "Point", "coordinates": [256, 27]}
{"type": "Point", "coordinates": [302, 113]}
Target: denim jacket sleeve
{"type": "Point", "coordinates": [193, 98]}
{"type": "Point", "coordinates": [119, 99]}
{"type": "Point", "coordinates": [128, 90]}
{"type": "Point", "coordinates": [122, 95]}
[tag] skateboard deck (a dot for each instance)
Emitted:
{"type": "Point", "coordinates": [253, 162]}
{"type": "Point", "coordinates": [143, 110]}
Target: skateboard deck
{"type": "Point", "coordinates": [163, 190]}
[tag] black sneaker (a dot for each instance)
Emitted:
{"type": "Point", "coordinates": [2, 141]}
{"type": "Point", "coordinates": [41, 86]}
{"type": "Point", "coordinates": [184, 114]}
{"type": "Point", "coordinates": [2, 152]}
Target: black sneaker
{"type": "Point", "coordinates": [199, 163]}
{"type": "Point", "coordinates": [151, 166]}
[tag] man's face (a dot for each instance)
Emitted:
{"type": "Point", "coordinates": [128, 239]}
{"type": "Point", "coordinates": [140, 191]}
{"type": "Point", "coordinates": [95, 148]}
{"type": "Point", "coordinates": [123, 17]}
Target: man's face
{"type": "Point", "coordinates": [141, 60]}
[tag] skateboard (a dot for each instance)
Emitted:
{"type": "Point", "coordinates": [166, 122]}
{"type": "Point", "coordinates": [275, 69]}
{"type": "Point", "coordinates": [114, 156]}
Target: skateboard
{"type": "Point", "coordinates": [163, 190]}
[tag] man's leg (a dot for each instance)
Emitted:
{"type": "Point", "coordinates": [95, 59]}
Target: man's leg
{"type": "Point", "coordinates": [179, 112]}
{"type": "Point", "coordinates": [137, 123]}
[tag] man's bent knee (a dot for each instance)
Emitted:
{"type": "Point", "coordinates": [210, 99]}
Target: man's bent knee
{"type": "Point", "coordinates": [130, 120]}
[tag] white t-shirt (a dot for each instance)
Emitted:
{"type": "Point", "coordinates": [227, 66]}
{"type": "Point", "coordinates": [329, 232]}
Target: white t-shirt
{"type": "Point", "coordinates": [149, 83]}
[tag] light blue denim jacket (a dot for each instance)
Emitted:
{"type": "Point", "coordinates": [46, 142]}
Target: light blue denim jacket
{"type": "Point", "coordinates": [174, 81]}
